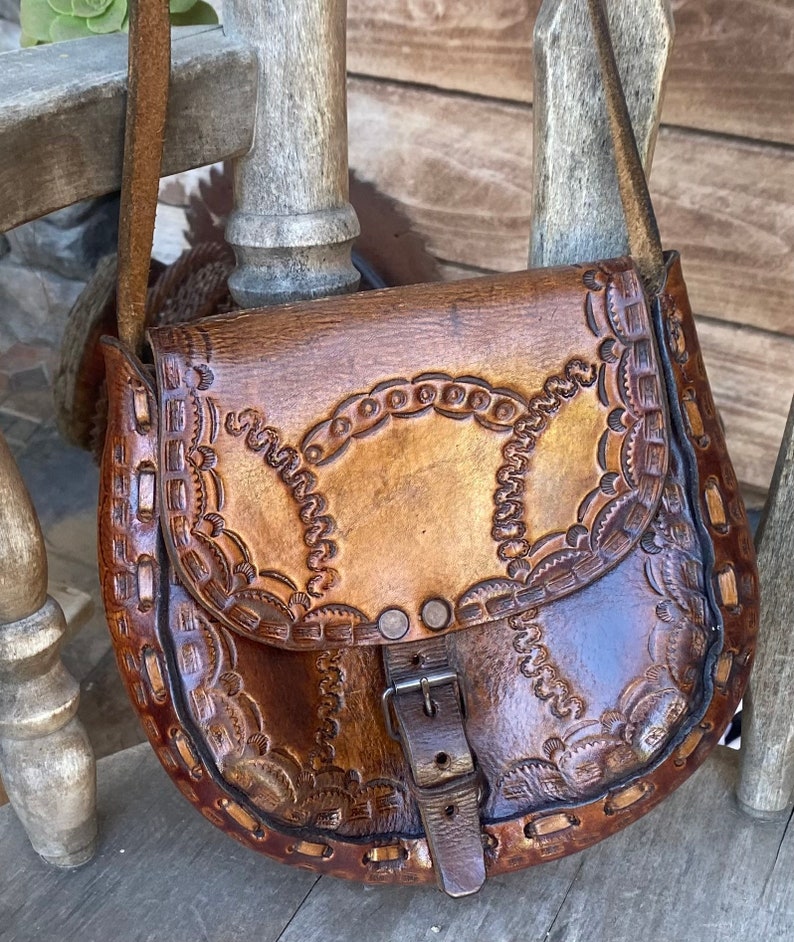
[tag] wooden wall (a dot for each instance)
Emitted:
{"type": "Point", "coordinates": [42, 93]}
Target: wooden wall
{"type": "Point", "coordinates": [440, 119]}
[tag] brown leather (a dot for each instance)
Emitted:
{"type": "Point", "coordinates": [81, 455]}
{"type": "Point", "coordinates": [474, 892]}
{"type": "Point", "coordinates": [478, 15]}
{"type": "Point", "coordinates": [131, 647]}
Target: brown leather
{"type": "Point", "coordinates": [357, 427]}
{"type": "Point", "coordinates": [427, 696]}
{"type": "Point", "coordinates": [436, 582]}
{"type": "Point", "coordinates": [603, 647]}
{"type": "Point", "coordinates": [148, 73]}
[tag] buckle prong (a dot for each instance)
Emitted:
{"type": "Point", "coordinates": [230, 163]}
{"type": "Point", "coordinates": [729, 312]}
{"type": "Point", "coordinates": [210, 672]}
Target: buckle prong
{"type": "Point", "coordinates": [422, 684]}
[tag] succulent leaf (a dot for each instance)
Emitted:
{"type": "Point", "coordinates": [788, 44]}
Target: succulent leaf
{"type": "Point", "coordinates": [36, 18]}
{"type": "Point", "coordinates": [45, 21]}
{"type": "Point", "coordinates": [111, 20]}
{"type": "Point", "coordinates": [89, 8]}
{"type": "Point", "coordinates": [68, 27]}
{"type": "Point", "coordinates": [61, 6]}
{"type": "Point", "coordinates": [200, 14]}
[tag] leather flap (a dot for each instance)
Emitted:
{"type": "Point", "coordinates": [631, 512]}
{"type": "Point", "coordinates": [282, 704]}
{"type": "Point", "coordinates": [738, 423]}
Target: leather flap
{"type": "Point", "coordinates": [373, 468]}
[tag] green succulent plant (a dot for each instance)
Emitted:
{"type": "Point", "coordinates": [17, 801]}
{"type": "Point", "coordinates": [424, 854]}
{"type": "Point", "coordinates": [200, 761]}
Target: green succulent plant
{"type": "Point", "coordinates": [50, 21]}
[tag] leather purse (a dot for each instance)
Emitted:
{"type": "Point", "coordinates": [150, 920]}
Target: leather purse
{"type": "Point", "coordinates": [428, 583]}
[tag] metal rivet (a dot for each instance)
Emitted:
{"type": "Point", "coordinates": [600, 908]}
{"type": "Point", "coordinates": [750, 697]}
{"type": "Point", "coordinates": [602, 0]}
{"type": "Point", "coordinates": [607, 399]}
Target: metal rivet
{"type": "Point", "coordinates": [393, 624]}
{"type": "Point", "coordinates": [436, 614]}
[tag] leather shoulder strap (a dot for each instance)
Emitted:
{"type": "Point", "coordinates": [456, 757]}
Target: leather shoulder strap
{"type": "Point", "coordinates": [148, 71]}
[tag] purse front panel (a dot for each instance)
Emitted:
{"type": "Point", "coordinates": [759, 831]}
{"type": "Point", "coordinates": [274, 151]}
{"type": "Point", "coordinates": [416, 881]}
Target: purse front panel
{"type": "Point", "coordinates": [595, 681]}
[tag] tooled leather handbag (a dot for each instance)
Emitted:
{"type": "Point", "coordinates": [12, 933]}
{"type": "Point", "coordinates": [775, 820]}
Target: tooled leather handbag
{"type": "Point", "coordinates": [428, 583]}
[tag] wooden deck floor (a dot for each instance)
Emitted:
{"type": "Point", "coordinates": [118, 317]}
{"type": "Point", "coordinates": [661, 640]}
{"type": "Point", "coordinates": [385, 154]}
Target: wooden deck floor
{"type": "Point", "coordinates": [693, 870]}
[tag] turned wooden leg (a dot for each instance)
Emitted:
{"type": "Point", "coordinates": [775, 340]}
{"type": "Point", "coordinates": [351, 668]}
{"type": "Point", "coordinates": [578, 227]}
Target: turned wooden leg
{"type": "Point", "coordinates": [766, 783]}
{"type": "Point", "coordinates": [46, 761]}
{"type": "Point", "coordinates": [292, 227]}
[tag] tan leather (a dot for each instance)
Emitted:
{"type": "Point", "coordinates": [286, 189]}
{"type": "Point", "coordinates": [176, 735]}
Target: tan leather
{"type": "Point", "coordinates": [586, 700]}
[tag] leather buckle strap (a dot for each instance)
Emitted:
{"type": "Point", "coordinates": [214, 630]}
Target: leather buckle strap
{"type": "Point", "coordinates": [424, 708]}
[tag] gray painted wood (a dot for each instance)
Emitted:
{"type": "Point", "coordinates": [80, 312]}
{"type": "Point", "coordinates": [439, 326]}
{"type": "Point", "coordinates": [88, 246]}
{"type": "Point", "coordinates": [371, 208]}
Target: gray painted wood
{"type": "Point", "coordinates": [576, 213]}
{"type": "Point", "coordinates": [766, 785]}
{"type": "Point", "coordinates": [519, 906]}
{"type": "Point", "coordinates": [292, 227]}
{"type": "Point", "coordinates": [161, 873]}
{"type": "Point", "coordinates": [62, 116]}
{"type": "Point", "coordinates": [693, 869]}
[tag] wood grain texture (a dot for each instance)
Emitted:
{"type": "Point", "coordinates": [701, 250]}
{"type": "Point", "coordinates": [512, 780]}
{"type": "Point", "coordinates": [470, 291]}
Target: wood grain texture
{"type": "Point", "coordinates": [164, 872]}
{"type": "Point", "coordinates": [732, 68]}
{"type": "Point", "coordinates": [161, 872]}
{"type": "Point", "coordinates": [598, 207]}
{"type": "Point", "coordinates": [766, 785]}
{"type": "Point", "coordinates": [46, 762]}
{"type": "Point", "coordinates": [23, 561]}
{"type": "Point", "coordinates": [61, 116]}
{"type": "Point", "coordinates": [460, 168]}
{"type": "Point", "coordinates": [752, 382]}
{"type": "Point", "coordinates": [695, 869]}
{"type": "Point", "coordinates": [292, 227]}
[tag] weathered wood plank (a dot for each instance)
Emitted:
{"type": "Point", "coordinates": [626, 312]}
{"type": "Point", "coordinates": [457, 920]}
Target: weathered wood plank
{"type": "Point", "coordinates": [62, 112]}
{"type": "Point", "coordinates": [695, 868]}
{"type": "Point", "coordinates": [732, 69]}
{"type": "Point", "coordinates": [461, 168]}
{"type": "Point", "coordinates": [753, 383]}
{"type": "Point", "coordinates": [766, 785]}
{"type": "Point", "coordinates": [161, 872]}
{"type": "Point", "coordinates": [519, 906]}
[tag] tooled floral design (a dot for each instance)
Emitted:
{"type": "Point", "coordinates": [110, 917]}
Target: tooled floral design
{"type": "Point", "coordinates": [508, 527]}
{"type": "Point", "coordinates": [312, 794]}
{"type": "Point", "coordinates": [284, 459]}
{"type": "Point", "coordinates": [536, 664]}
{"type": "Point", "coordinates": [590, 756]}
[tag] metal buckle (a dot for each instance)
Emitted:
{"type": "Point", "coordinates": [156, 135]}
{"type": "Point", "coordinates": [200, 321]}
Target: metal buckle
{"type": "Point", "coordinates": [423, 684]}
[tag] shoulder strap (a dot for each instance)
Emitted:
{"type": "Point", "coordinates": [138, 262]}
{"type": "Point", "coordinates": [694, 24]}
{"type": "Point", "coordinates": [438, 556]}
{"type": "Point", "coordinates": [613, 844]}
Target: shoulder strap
{"type": "Point", "coordinates": [147, 101]}
{"type": "Point", "coordinates": [148, 71]}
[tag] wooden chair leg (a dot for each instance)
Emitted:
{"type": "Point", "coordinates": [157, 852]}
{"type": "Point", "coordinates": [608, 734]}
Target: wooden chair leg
{"type": "Point", "coordinates": [46, 761]}
{"type": "Point", "coordinates": [766, 782]}
{"type": "Point", "coordinates": [293, 227]}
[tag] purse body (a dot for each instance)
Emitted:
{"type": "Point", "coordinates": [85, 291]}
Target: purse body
{"type": "Point", "coordinates": [433, 581]}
